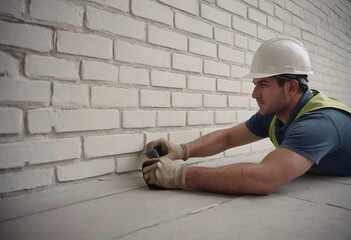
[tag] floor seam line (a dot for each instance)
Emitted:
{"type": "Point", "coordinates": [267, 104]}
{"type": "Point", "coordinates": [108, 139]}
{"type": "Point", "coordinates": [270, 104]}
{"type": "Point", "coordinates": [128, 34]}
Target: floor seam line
{"type": "Point", "coordinates": [203, 209]}
{"type": "Point", "coordinates": [66, 205]}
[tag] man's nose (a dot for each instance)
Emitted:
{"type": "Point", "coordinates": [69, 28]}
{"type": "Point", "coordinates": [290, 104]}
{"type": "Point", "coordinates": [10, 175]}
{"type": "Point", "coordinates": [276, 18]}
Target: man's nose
{"type": "Point", "coordinates": [255, 93]}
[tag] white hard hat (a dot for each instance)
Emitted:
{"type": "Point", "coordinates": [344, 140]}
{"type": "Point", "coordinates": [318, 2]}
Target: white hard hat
{"type": "Point", "coordinates": [280, 55]}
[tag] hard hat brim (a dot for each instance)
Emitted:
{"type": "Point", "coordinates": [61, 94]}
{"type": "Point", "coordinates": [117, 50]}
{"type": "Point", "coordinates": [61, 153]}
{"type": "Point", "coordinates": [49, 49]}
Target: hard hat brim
{"type": "Point", "coordinates": [266, 75]}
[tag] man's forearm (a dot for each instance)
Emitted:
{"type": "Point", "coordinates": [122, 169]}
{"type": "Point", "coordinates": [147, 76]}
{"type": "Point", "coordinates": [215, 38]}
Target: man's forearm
{"type": "Point", "coordinates": [233, 179]}
{"type": "Point", "coordinates": [221, 140]}
{"type": "Point", "coordinates": [209, 144]}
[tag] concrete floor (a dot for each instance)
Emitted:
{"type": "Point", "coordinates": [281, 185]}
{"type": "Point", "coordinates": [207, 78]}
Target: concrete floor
{"type": "Point", "coordinates": [120, 207]}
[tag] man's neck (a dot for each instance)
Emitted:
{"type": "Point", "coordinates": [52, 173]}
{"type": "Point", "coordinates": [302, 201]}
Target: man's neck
{"type": "Point", "coordinates": [285, 115]}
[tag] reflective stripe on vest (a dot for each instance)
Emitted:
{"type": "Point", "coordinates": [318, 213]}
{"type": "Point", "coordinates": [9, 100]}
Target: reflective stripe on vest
{"type": "Point", "coordinates": [318, 101]}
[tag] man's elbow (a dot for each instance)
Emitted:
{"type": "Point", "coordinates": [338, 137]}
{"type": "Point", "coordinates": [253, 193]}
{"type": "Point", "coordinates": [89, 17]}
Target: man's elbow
{"type": "Point", "coordinates": [265, 188]}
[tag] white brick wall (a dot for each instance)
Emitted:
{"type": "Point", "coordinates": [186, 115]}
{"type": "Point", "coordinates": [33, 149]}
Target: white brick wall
{"type": "Point", "coordinates": [84, 85]}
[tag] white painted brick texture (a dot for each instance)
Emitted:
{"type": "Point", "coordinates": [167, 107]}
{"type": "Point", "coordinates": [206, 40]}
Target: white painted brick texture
{"type": "Point", "coordinates": [84, 85]}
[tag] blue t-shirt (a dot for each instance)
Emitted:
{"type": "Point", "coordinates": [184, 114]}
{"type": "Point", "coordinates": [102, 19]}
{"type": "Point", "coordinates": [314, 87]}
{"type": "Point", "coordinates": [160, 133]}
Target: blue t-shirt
{"type": "Point", "coordinates": [324, 136]}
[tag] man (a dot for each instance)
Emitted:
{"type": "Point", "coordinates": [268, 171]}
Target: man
{"type": "Point", "coordinates": [312, 132]}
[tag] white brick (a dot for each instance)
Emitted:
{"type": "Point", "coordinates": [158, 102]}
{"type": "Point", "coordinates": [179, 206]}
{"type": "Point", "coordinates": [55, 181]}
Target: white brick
{"type": "Point", "coordinates": [19, 153]}
{"type": "Point", "coordinates": [9, 66]}
{"type": "Point", "coordinates": [186, 63]}
{"type": "Point", "coordinates": [216, 68]}
{"type": "Point", "coordinates": [247, 87]}
{"type": "Point", "coordinates": [85, 169]}
{"type": "Point", "coordinates": [133, 75]}
{"type": "Point", "coordinates": [238, 150]}
{"type": "Point", "coordinates": [200, 117]}
{"type": "Point", "coordinates": [139, 119]}
{"type": "Point", "coordinates": [282, 14]}
{"type": "Point", "coordinates": [11, 7]}
{"type": "Point", "coordinates": [248, 58]}
{"type": "Point", "coordinates": [114, 23]}
{"type": "Point", "coordinates": [171, 118]}
{"type": "Point", "coordinates": [57, 11]}
{"type": "Point", "coordinates": [167, 79]}
{"type": "Point", "coordinates": [147, 9]}
{"type": "Point", "coordinates": [295, 9]}
{"type": "Point", "coordinates": [127, 164]}
{"type": "Point", "coordinates": [122, 5]}
{"type": "Point", "coordinates": [224, 85]}
{"type": "Point", "coordinates": [263, 145]}
{"type": "Point", "coordinates": [84, 44]}
{"type": "Point", "coordinates": [222, 117]}
{"type": "Point", "coordinates": [301, 23]}
{"type": "Point", "coordinates": [266, 6]}
{"type": "Point", "coordinates": [150, 98]}
{"type": "Point", "coordinates": [26, 36]}
{"type": "Point", "coordinates": [215, 100]}
{"type": "Point", "coordinates": [244, 26]}
{"type": "Point", "coordinates": [99, 71]}
{"type": "Point", "coordinates": [190, 6]}
{"type": "Point", "coordinates": [70, 95]}
{"type": "Point", "coordinates": [41, 120]}
{"type": "Point", "coordinates": [193, 25]}
{"type": "Point", "coordinates": [128, 52]}
{"type": "Point", "coordinates": [230, 54]}
{"type": "Point", "coordinates": [292, 30]}
{"type": "Point", "coordinates": [29, 179]}
{"type": "Point", "coordinates": [253, 45]}
{"type": "Point", "coordinates": [238, 72]}
{"type": "Point", "coordinates": [223, 36]}
{"type": "Point", "coordinates": [275, 24]}
{"type": "Point", "coordinates": [265, 34]}
{"type": "Point", "coordinates": [252, 3]}
{"type": "Point", "coordinates": [233, 6]}
{"type": "Point", "coordinates": [167, 38]}
{"type": "Point", "coordinates": [238, 101]}
{"type": "Point", "coordinates": [242, 116]}
{"type": "Point", "coordinates": [253, 103]}
{"type": "Point", "coordinates": [86, 120]}
{"type": "Point", "coordinates": [240, 41]}
{"type": "Point", "coordinates": [215, 15]}
{"type": "Point", "coordinates": [113, 144]}
{"type": "Point", "coordinates": [257, 16]}
{"type": "Point", "coordinates": [202, 83]}
{"type": "Point", "coordinates": [25, 91]}
{"type": "Point", "coordinates": [202, 47]}
{"type": "Point", "coordinates": [11, 121]}
{"type": "Point", "coordinates": [184, 136]}
{"type": "Point", "coordinates": [40, 66]}
{"type": "Point", "coordinates": [186, 100]}
{"type": "Point", "coordinates": [154, 136]}
{"type": "Point", "coordinates": [114, 97]}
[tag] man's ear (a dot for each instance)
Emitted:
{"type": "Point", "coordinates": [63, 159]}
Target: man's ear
{"type": "Point", "coordinates": [293, 87]}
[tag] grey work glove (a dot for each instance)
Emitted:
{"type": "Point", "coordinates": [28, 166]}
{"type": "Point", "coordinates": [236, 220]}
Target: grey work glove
{"type": "Point", "coordinates": [164, 173]}
{"type": "Point", "coordinates": [170, 150]}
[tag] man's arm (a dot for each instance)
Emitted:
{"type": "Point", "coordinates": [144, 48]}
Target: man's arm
{"type": "Point", "coordinates": [221, 140]}
{"type": "Point", "coordinates": [277, 168]}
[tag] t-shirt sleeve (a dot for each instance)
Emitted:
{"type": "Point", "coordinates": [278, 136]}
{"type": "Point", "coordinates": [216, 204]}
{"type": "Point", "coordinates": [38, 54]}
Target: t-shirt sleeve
{"type": "Point", "coordinates": [313, 136]}
{"type": "Point", "coordinates": [259, 125]}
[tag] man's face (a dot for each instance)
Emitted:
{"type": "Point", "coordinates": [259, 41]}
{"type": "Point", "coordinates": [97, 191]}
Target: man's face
{"type": "Point", "coordinates": [270, 97]}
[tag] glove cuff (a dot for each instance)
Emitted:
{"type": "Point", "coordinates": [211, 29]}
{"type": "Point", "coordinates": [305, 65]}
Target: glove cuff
{"type": "Point", "coordinates": [185, 151]}
{"type": "Point", "coordinates": [180, 181]}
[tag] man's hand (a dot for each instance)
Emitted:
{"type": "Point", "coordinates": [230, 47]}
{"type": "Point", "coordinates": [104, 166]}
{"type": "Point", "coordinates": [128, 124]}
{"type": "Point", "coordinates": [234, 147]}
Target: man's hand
{"type": "Point", "coordinates": [164, 173]}
{"type": "Point", "coordinates": [170, 150]}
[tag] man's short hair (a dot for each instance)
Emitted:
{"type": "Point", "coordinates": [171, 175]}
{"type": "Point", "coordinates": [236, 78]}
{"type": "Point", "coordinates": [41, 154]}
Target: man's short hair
{"type": "Point", "coordinates": [302, 79]}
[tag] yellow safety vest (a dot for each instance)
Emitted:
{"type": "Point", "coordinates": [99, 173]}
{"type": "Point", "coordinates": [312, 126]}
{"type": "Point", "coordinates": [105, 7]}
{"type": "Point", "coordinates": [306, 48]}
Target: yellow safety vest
{"type": "Point", "coordinates": [318, 101]}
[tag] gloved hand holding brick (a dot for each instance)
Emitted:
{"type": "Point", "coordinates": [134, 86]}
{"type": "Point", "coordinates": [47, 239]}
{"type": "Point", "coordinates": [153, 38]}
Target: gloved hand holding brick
{"type": "Point", "coordinates": [170, 150]}
{"type": "Point", "coordinates": [164, 173]}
